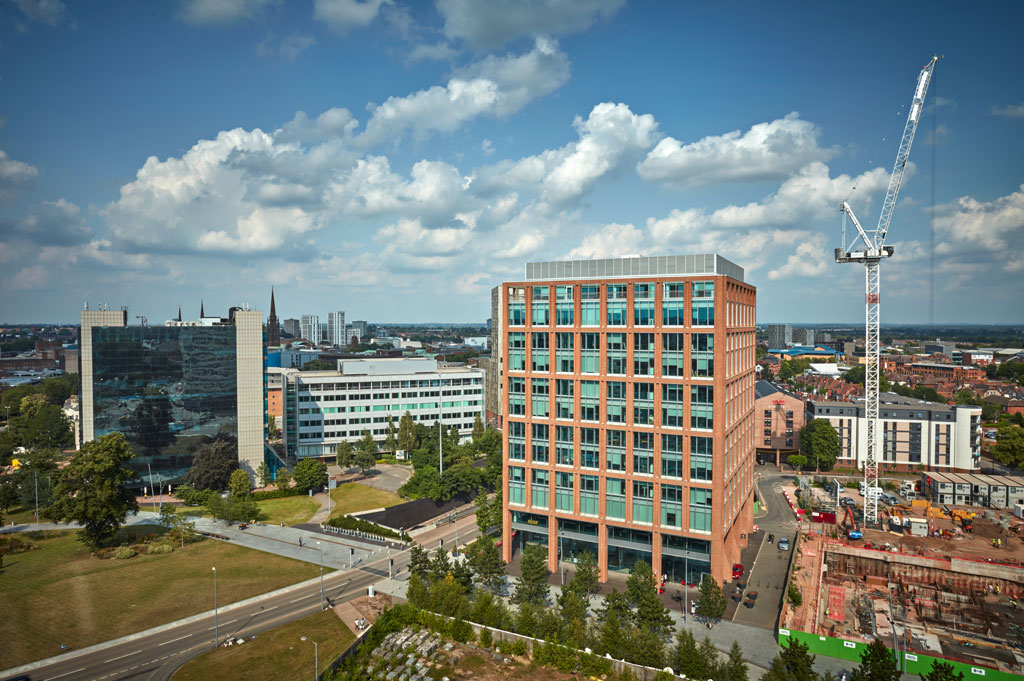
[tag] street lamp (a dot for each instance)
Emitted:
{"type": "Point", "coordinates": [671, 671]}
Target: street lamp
{"type": "Point", "coordinates": [320, 546]}
{"type": "Point", "coordinates": [216, 617]}
{"type": "Point", "coordinates": [316, 659]}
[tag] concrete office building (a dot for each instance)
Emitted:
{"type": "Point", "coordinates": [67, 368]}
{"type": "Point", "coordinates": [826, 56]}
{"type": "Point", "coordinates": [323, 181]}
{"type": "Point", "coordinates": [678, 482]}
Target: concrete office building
{"type": "Point", "coordinates": [914, 433]}
{"type": "Point", "coordinates": [292, 327]}
{"type": "Point", "coordinates": [493, 404]}
{"type": "Point", "coordinates": [779, 335]}
{"type": "Point", "coordinates": [325, 408]}
{"type": "Point", "coordinates": [171, 388]}
{"type": "Point", "coordinates": [628, 405]}
{"type": "Point", "coordinates": [336, 328]}
{"type": "Point", "coordinates": [309, 327]}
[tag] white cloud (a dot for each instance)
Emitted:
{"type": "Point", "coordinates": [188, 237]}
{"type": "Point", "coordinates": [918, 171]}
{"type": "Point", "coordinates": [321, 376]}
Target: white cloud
{"type": "Point", "coordinates": [223, 12]}
{"type": "Point", "coordinates": [335, 122]}
{"type": "Point", "coordinates": [611, 241]}
{"type": "Point", "coordinates": [487, 147]}
{"type": "Point", "coordinates": [55, 222]}
{"type": "Point", "coordinates": [496, 86]}
{"type": "Point", "coordinates": [488, 24]}
{"type": "Point", "coordinates": [441, 51]}
{"type": "Point", "coordinates": [51, 12]}
{"type": "Point", "coordinates": [1010, 111]}
{"type": "Point", "coordinates": [435, 191]}
{"type": "Point", "coordinates": [289, 47]}
{"type": "Point", "coordinates": [810, 260]}
{"type": "Point", "coordinates": [14, 174]}
{"type": "Point", "coordinates": [766, 151]}
{"type": "Point", "coordinates": [344, 16]}
{"type": "Point", "coordinates": [262, 230]}
{"type": "Point", "coordinates": [968, 227]}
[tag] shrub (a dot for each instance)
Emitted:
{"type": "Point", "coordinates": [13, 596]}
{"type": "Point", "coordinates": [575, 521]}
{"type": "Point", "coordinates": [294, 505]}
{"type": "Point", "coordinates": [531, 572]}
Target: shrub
{"type": "Point", "coordinates": [191, 496]}
{"type": "Point", "coordinates": [486, 638]}
{"type": "Point", "coordinates": [278, 493]}
{"type": "Point", "coordinates": [124, 552]}
{"type": "Point", "coordinates": [347, 522]}
{"type": "Point", "coordinates": [794, 594]}
{"type": "Point", "coordinates": [160, 548]}
{"type": "Point", "coordinates": [461, 631]}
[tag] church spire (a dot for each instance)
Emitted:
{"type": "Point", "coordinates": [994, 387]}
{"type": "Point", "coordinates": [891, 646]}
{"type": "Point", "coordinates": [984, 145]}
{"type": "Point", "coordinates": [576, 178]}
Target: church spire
{"type": "Point", "coordinates": [179, 313]}
{"type": "Point", "coordinates": [202, 310]}
{"type": "Point", "coordinates": [273, 311]}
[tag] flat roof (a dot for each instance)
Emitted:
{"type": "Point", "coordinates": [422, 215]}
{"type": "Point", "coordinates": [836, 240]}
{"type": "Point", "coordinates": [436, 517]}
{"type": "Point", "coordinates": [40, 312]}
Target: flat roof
{"type": "Point", "coordinates": [634, 266]}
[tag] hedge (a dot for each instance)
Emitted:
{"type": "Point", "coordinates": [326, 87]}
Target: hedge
{"type": "Point", "coordinates": [279, 493]}
{"type": "Point", "coordinates": [347, 522]}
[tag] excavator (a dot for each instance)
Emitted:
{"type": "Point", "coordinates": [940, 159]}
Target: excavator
{"type": "Point", "coordinates": [849, 520]}
{"type": "Point", "coordinates": [966, 519]}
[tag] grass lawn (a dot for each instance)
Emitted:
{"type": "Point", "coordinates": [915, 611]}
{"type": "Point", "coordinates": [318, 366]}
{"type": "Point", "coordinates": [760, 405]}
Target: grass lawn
{"type": "Point", "coordinates": [353, 497]}
{"type": "Point", "coordinates": [60, 594]}
{"type": "Point", "coordinates": [279, 654]}
{"type": "Point", "coordinates": [287, 510]}
{"type": "Point", "coordinates": [20, 516]}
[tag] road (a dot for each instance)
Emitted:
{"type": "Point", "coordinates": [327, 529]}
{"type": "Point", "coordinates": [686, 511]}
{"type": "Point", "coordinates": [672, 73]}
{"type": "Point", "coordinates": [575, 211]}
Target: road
{"type": "Point", "coordinates": [156, 656]}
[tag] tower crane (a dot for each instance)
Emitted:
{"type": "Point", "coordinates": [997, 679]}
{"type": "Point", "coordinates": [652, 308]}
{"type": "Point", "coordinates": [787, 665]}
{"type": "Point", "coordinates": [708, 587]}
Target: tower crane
{"type": "Point", "coordinates": [868, 248]}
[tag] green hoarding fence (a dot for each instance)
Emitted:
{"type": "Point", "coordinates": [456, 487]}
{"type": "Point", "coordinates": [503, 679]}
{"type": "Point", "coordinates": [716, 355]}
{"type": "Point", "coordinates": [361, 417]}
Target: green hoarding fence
{"type": "Point", "coordinates": [912, 663]}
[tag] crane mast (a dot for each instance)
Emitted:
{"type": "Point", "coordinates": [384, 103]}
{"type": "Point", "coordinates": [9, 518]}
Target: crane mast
{"type": "Point", "coordinates": [868, 247]}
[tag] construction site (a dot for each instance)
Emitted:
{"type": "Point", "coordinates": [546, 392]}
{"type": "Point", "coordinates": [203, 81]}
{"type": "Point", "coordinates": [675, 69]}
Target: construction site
{"type": "Point", "coordinates": [929, 580]}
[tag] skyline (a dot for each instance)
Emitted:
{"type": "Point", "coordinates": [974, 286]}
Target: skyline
{"type": "Point", "coordinates": [382, 156]}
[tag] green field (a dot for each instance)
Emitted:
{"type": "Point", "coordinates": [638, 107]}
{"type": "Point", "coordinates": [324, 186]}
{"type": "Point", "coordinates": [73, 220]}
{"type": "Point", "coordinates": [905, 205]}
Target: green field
{"type": "Point", "coordinates": [276, 655]}
{"type": "Point", "coordinates": [353, 497]}
{"type": "Point", "coordinates": [60, 594]}
{"type": "Point", "coordinates": [287, 510]}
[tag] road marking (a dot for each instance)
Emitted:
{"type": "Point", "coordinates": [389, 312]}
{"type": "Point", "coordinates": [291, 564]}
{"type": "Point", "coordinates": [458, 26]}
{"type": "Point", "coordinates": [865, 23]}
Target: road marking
{"type": "Point", "coordinates": [301, 598]}
{"type": "Point", "coordinates": [66, 673]}
{"type": "Point", "coordinates": [214, 627]}
{"type": "Point", "coordinates": [123, 656]}
{"type": "Point", "coordinates": [175, 639]}
{"type": "Point", "coordinates": [268, 609]}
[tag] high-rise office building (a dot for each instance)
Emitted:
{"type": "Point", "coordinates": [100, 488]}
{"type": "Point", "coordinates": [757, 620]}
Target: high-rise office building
{"type": "Point", "coordinates": [292, 328]}
{"type": "Point", "coordinates": [273, 326]}
{"type": "Point", "coordinates": [336, 328]}
{"type": "Point", "coordinates": [804, 337]}
{"type": "Point", "coordinates": [171, 388]}
{"type": "Point", "coordinates": [493, 402]}
{"type": "Point", "coordinates": [780, 336]}
{"type": "Point", "coordinates": [628, 406]}
{"type": "Point", "coordinates": [309, 326]}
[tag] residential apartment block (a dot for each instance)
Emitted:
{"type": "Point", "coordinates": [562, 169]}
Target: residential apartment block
{"type": "Point", "coordinates": [779, 335]}
{"type": "Point", "coordinates": [336, 328]}
{"type": "Point", "coordinates": [781, 417]}
{"type": "Point", "coordinates": [309, 325]}
{"type": "Point", "coordinates": [914, 433]}
{"type": "Point", "coordinates": [627, 398]}
{"type": "Point", "coordinates": [325, 408]}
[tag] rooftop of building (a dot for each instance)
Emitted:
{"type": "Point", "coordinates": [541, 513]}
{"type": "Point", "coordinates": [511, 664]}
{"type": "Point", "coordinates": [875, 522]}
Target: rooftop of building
{"type": "Point", "coordinates": [767, 388]}
{"type": "Point", "coordinates": [940, 366]}
{"type": "Point", "coordinates": [385, 366]}
{"type": "Point", "coordinates": [893, 399]}
{"type": "Point", "coordinates": [634, 266]}
{"type": "Point", "coordinates": [804, 350]}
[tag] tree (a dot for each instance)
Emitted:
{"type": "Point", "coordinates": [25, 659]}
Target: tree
{"type": "Point", "coordinates": [713, 669]}
{"type": "Point", "coordinates": [797, 461]}
{"type": "Point", "coordinates": [735, 668]}
{"type": "Point", "coordinates": [239, 484]}
{"type": "Point", "coordinates": [346, 454]}
{"type": "Point", "coordinates": [418, 593]}
{"type": "Point", "coordinates": [793, 663]}
{"type": "Point", "coordinates": [942, 671]}
{"type": "Point", "coordinates": [263, 474]}
{"type": "Point", "coordinates": [39, 425]}
{"type": "Point", "coordinates": [483, 513]}
{"type": "Point", "coordinates": [93, 491]}
{"type": "Point", "coordinates": [366, 453]}
{"type": "Point", "coordinates": [36, 475]}
{"type": "Point", "coordinates": [819, 442]}
{"type": "Point", "coordinates": [613, 621]}
{"type": "Point", "coordinates": [585, 580]}
{"type": "Point", "coordinates": [283, 479]}
{"type": "Point", "coordinates": [486, 562]}
{"type": "Point", "coordinates": [236, 509]}
{"type": "Point", "coordinates": [991, 413]}
{"type": "Point", "coordinates": [8, 492]}
{"type": "Point", "coordinates": [425, 482]}
{"type": "Point", "coordinates": [686, 658]}
{"type": "Point", "coordinates": [642, 595]}
{"type": "Point", "coordinates": [877, 663]}
{"type": "Point", "coordinates": [478, 428]}
{"type": "Point", "coordinates": [572, 612]}
{"type": "Point", "coordinates": [406, 433]}
{"type": "Point", "coordinates": [391, 439]}
{"type": "Point", "coordinates": [533, 585]}
{"type": "Point", "coordinates": [213, 464]}
{"type": "Point", "coordinates": [419, 561]}
{"type": "Point", "coordinates": [310, 474]}
{"type": "Point", "coordinates": [272, 426]}
{"type": "Point", "coordinates": [1009, 447]}
{"type": "Point", "coordinates": [785, 371]}
{"type": "Point", "coordinates": [712, 600]}
{"type": "Point", "coordinates": [965, 396]}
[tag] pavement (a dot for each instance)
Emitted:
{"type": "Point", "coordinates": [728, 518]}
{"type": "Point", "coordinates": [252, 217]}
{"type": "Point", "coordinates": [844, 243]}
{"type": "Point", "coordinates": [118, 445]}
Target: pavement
{"type": "Point", "coordinates": [387, 476]}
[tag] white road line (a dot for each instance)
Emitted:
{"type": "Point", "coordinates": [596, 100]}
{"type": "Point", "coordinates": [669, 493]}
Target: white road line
{"type": "Point", "coordinates": [268, 609]}
{"type": "Point", "coordinates": [219, 625]}
{"type": "Point", "coordinates": [66, 673]}
{"type": "Point", "coordinates": [175, 639]}
{"type": "Point", "coordinates": [302, 598]}
{"type": "Point", "coordinates": [122, 656]}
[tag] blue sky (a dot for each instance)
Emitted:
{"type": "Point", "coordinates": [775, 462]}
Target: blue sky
{"type": "Point", "coordinates": [396, 160]}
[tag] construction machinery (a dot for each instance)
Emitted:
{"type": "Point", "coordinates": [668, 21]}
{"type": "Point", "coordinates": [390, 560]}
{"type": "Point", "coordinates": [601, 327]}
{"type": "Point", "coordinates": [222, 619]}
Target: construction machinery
{"type": "Point", "coordinates": [868, 247]}
{"type": "Point", "coordinates": [850, 521]}
{"type": "Point", "coordinates": [966, 519]}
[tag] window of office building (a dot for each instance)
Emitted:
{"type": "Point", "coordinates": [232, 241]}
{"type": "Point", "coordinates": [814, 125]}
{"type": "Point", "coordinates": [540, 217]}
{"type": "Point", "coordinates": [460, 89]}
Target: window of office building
{"type": "Point", "coordinates": [702, 303]}
{"type": "Point", "coordinates": [563, 445]}
{"type": "Point", "coordinates": [616, 349]}
{"type": "Point", "coordinates": [516, 351]}
{"type": "Point", "coordinates": [672, 405]}
{"type": "Point", "coordinates": [516, 314]}
{"type": "Point", "coordinates": [590, 495]}
{"type": "Point", "coordinates": [541, 404]}
{"type": "Point", "coordinates": [564, 306]}
{"type": "Point", "coordinates": [541, 306]}
{"type": "Point", "coordinates": [643, 354]}
{"type": "Point", "coordinates": [702, 398]}
{"type": "Point", "coordinates": [643, 404]}
{"type": "Point", "coordinates": [539, 442]}
{"type": "Point", "coordinates": [590, 401]}
{"type": "Point", "coordinates": [516, 396]}
{"type": "Point", "coordinates": [643, 453]}
{"type": "Point", "coordinates": [564, 398]}
{"type": "Point", "coordinates": [700, 509]}
{"type": "Point", "coordinates": [516, 485]}
{"type": "Point", "coordinates": [702, 354]}
{"type": "Point", "coordinates": [590, 305]}
{"type": "Point", "coordinates": [673, 359]}
{"type": "Point", "coordinates": [590, 448]}
{"type": "Point", "coordinates": [673, 307]}
{"type": "Point", "coordinates": [540, 488]}
{"type": "Point", "coordinates": [516, 440]}
{"type": "Point", "coordinates": [700, 458]}
{"type": "Point", "coordinates": [615, 498]}
{"type": "Point", "coordinates": [643, 304]}
{"type": "Point", "coordinates": [563, 491]}
{"type": "Point", "coordinates": [540, 352]}
{"type": "Point", "coordinates": [671, 506]}
{"type": "Point", "coordinates": [564, 353]}
{"type": "Point", "coordinates": [615, 450]}
{"type": "Point", "coordinates": [616, 402]}
{"type": "Point", "coordinates": [672, 456]}
{"type": "Point", "coordinates": [590, 353]}
{"type": "Point", "coordinates": [616, 304]}
{"type": "Point", "coordinates": [643, 502]}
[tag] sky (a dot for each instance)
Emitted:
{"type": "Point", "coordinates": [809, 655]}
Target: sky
{"type": "Point", "coordinates": [396, 160]}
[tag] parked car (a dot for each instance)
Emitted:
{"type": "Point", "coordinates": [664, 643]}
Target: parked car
{"type": "Point", "coordinates": [737, 570]}
{"type": "Point", "coordinates": [784, 544]}
{"type": "Point", "coordinates": [847, 501]}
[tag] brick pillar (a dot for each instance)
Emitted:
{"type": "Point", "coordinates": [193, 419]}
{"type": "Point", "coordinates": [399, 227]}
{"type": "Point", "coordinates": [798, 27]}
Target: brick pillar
{"type": "Point", "coordinates": [602, 552]}
{"type": "Point", "coordinates": [656, 554]}
{"type": "Point", "coordinates": [506, 535]}
{"type": "Point", "coordinates": [552, 544]}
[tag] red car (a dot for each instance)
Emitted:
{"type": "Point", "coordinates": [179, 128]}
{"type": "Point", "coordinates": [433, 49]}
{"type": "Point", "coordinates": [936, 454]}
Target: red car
{"type": "Point", "coordinates": [737, 570]}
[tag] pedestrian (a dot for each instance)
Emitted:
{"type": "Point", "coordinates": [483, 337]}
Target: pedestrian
{"type": "Point", "coordinates": [300, 541]}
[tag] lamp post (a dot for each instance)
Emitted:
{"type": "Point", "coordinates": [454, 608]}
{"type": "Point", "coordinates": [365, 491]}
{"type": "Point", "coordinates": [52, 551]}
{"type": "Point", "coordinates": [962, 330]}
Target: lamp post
{"type": "Point", "coordinates": [316, 659]}
{"type": "Point", "coordinates": [216, 616]}
{"type": "Point", "coordinates": [152, 489]}
{"type": "Point", "coordinates": [322, 598]}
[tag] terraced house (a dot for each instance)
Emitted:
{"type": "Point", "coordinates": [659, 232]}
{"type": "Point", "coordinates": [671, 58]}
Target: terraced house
{"type": "Point", "coordinates": [628, 396]}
